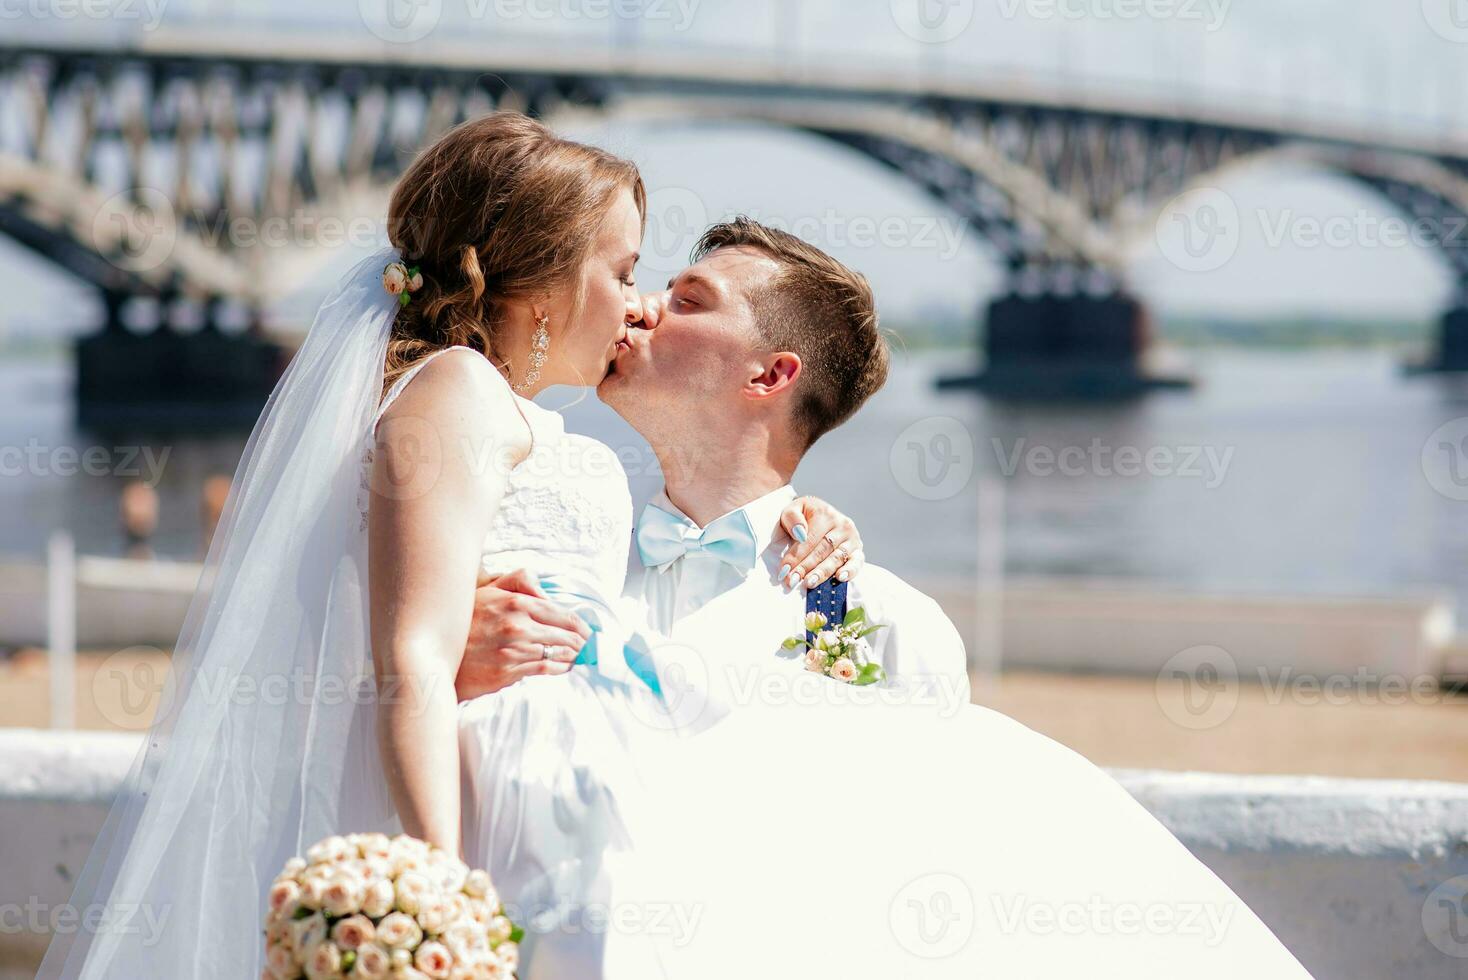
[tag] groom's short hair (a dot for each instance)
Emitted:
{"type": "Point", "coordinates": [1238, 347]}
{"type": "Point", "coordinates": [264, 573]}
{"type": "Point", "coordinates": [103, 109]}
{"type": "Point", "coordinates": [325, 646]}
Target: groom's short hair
{"type": "Point", "coordinates": [818, 308]}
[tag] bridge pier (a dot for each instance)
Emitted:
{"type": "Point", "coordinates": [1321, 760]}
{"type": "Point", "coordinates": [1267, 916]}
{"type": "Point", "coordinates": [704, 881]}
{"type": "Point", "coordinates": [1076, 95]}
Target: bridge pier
{"type": "Point", "coordinates": [166, 380]}
{"type": "Point", "coordinates": [1072, 346]}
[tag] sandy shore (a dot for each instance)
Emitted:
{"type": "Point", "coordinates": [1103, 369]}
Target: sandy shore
{"type": "Point", "coordinates": [1129, 722]}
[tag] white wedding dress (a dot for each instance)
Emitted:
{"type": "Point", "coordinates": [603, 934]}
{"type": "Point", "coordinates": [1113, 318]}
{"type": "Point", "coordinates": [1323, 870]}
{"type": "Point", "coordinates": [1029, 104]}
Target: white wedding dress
{"type": "Point", "coordinates": [644, 821]}
{"type": "Point", "coordinates": [643, 817]}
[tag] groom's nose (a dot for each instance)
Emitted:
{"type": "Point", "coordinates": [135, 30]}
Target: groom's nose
{"type": "Point", "coordinates": [649, 310]}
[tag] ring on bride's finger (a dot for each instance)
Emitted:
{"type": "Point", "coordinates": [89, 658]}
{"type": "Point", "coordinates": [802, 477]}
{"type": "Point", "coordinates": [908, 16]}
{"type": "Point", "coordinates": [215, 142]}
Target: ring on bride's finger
{"type": "Point", "coordinates": [841, 554]}
{"type": "Point", "coordinates": [545, 652]}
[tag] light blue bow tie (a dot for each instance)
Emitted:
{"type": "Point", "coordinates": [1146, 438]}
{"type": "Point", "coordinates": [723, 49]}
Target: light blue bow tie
{"type": "Point", "coordinates": [663, 537]}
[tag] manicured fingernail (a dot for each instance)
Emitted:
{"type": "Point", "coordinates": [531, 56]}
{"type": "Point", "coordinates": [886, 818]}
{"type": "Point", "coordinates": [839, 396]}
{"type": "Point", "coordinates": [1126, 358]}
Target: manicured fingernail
{"type": "Point", "coordinates": [784, 571]}
{"type": "Point", "coordinates": [812, 580]}
{"type": "Point", "coordinates": [790, 582]}
{"type": "Point", "coordinates": [841, 576]}
{"type": "Point", "coordinates": [799, 533]}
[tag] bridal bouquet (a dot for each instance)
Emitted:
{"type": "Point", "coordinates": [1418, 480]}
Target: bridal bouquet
{"type": "Point", "coordinates": [842, 651]}
{"type": "Point", "coordinates": [365, 906]}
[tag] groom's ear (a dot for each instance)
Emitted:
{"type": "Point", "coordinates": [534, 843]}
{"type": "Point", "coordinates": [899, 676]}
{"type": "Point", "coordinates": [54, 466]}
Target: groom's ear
{"type": "Point", "coordinates": [776, 373]}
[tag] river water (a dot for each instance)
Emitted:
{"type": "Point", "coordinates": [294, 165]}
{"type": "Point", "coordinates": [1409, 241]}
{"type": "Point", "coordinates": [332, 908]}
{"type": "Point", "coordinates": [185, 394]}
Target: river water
{"type": "Point", "coordinates": [1322, 471]}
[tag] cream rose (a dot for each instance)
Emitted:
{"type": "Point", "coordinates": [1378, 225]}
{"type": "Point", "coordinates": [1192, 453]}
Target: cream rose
{"type": "Point", "coordinates": [324, 960]}
{"type": "Point", "coordinates": [395, 278]}
{"type": "Point", "coordinates": [844, 670]}
{"type": "Point", "coordinates": [433, 914]}
{"type": "Point", "coordinates": [500, 929]}
{"type": "Point", "coordinates": [815, 660]}
{"type": "Point", "coordinates": [814, 622]}
{"type": "Point", "coordinates": [353, 932]}
{"type": "Point", "coordinates": [434, 960]}
{"type": "Point", "coordinates": [410, 889]}
{"type": "Point", "coordinates": [509, 955]}
{"type": "Point", "coordinates": [477, 883]}
{"type": "Point", "coordinates": [378, 899]}
{"type": "Point", "coordinates": [307, 932]}
{"type": "Point", "coordinates": [399, 931]}
{"type": "Point", "coordinates": [343, 894]}
{"type": "Point", "coordinates": [374, 846]}
{"type": "Point", "coordinates": [281, 961]}
{"type": "Point", "coordinates": [373, 962]}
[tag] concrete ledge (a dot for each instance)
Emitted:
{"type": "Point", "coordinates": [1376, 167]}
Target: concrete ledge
{"type": "Point", "coordinates": [1342, 870]}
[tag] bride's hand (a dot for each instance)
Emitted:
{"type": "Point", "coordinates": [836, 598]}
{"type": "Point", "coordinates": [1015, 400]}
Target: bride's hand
{"type": "Point", "coordinates": [826, 543]}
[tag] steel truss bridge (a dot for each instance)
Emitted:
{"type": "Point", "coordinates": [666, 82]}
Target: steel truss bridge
{"type": "Point", "coordinates": [136, 167]}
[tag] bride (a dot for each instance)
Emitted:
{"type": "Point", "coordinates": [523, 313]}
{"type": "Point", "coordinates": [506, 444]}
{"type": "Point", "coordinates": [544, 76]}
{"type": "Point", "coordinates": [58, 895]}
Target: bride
{"type": "Point", "coordinates": [643, 834]}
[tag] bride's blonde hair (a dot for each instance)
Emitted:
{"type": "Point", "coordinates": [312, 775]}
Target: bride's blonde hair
{"type": "Point", "coordinates": [499, 208]}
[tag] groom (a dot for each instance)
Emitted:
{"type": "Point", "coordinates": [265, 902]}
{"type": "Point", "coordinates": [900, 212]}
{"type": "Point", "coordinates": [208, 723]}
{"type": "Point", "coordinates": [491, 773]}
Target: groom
{"type": "Point", "coordinates": [757, 350]}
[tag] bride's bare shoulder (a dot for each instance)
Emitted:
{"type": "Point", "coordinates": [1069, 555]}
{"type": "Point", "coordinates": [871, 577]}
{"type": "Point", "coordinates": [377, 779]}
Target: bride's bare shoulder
{"type": "Point", "coordinates": [461, 391]}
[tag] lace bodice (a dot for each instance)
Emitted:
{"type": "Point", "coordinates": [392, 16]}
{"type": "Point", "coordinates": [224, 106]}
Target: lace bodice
{"type": "Point", "coordinates": [567, 509]}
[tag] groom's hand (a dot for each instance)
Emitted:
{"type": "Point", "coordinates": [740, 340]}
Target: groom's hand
{"type": "Point", "coordinates": [514, 626]}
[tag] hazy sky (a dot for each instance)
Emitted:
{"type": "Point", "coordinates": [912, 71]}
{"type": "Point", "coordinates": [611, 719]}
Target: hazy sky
{"type": "Point", "coordinates": [1388, 64]}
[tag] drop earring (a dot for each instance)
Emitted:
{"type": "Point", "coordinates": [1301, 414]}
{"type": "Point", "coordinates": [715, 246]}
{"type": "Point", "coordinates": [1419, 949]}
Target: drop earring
{"type": "Point", "coordinates": [539, 344]}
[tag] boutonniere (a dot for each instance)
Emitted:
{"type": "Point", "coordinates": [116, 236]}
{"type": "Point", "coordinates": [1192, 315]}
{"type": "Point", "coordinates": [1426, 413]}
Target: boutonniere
{"type": "Point", "coordinates": [841, 652]}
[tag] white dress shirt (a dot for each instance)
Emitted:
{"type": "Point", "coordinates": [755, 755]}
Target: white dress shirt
{"type": "Point", "coordinates": [697, 597]}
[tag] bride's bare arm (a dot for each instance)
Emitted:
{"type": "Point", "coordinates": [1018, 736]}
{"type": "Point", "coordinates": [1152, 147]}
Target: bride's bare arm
{"type": "Point", "coordinates": [443, 450]}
